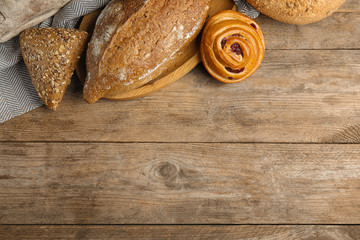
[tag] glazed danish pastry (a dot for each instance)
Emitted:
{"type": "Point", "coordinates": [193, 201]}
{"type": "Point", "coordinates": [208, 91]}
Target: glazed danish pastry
{"type": "Point", "coordinates": [232, 46]}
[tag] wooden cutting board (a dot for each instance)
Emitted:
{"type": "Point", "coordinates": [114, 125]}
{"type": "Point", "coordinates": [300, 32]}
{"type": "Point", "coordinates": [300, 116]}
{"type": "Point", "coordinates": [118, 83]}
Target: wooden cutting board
{"type": "Point", "coordinates": [182, 65]}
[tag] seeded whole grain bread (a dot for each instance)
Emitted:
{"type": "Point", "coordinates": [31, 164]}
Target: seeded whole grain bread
{"type": "Point", "coordinates": [297, 11]}
{"type": "Point", "coordinates": [16, 16]}
{"type": "Point", "coordinates": [134, 41]}
{"type": "Point", "coordinates": [51, 55]}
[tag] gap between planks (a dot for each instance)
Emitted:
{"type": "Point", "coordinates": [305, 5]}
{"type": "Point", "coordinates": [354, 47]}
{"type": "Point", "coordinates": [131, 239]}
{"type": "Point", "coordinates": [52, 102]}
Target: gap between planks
{"type": "Point", "coordinates": [288, 232]}
{"type": "Point", "coordinates": [154, 142]}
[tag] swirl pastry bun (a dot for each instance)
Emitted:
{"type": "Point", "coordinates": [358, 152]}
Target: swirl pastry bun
{"type": "Point", "coordinates": [297, 11]}
{"type": "Point", "coordinates": [232, 46]}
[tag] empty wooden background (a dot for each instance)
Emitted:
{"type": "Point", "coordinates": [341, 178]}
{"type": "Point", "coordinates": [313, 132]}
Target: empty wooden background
{"type": "Point", "coordinates": [279, 150]}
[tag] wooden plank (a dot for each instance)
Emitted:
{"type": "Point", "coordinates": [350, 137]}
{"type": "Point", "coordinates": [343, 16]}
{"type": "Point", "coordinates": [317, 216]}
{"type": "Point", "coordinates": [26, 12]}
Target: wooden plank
{"type": "Point", "coordinates": [138, 183]}
{"type": "Point", "coordinates": [339, 31]}
{"type": "Point", "coordinates": [295, 96]}
{"type": "Point", "coordinates": [269, 232]}
{"type": "Point", "coordinates": [350, 6]}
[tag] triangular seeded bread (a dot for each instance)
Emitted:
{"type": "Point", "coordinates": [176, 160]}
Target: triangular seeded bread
{"type": "Point", "coordinates": [51, 55]}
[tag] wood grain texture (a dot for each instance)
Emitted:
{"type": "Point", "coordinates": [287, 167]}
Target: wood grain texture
{"type": "Point", "coordinates": [350, 6]}
{"type": "Point", "coordinates": [105, 183]}
{"type": "Point", "coordinates": [339, 31]}
{"type": "Point", "coordinates": [306, 91]}
{"type": "Point", "coordinates": [268, 232]}
{"type": "Point", "coordinates": [295, 96]}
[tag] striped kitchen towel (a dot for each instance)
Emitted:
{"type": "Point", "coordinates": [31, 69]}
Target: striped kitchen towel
{"type": "Point", "coordinates": [245, 8]}
{"type": "Point", "coordinates": [17, 94]}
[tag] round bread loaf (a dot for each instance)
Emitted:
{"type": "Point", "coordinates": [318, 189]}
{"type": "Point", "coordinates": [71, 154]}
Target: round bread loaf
{"type": "Point", "coordinates": [297, 11]}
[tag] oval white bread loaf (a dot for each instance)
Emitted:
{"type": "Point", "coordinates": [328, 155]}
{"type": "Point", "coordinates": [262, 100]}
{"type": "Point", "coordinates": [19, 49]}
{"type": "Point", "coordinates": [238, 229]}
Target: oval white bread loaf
{"type": "Point", "coordinates": [134, 41]}
{"type": "Point", "coordinates": [16, 16]}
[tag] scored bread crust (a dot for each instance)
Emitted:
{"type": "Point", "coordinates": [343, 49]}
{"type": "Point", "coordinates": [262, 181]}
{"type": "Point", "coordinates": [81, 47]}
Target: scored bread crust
{"type": "Point", "coordinates": [297, 11]}
{"type": "Point", "coordinates": [135, 41]}
{"type": "Point", "coordinates": [18, 15]}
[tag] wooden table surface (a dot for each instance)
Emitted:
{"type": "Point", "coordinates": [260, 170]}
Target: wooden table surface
{"type": "Point", "coordinates": [274, 157]}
